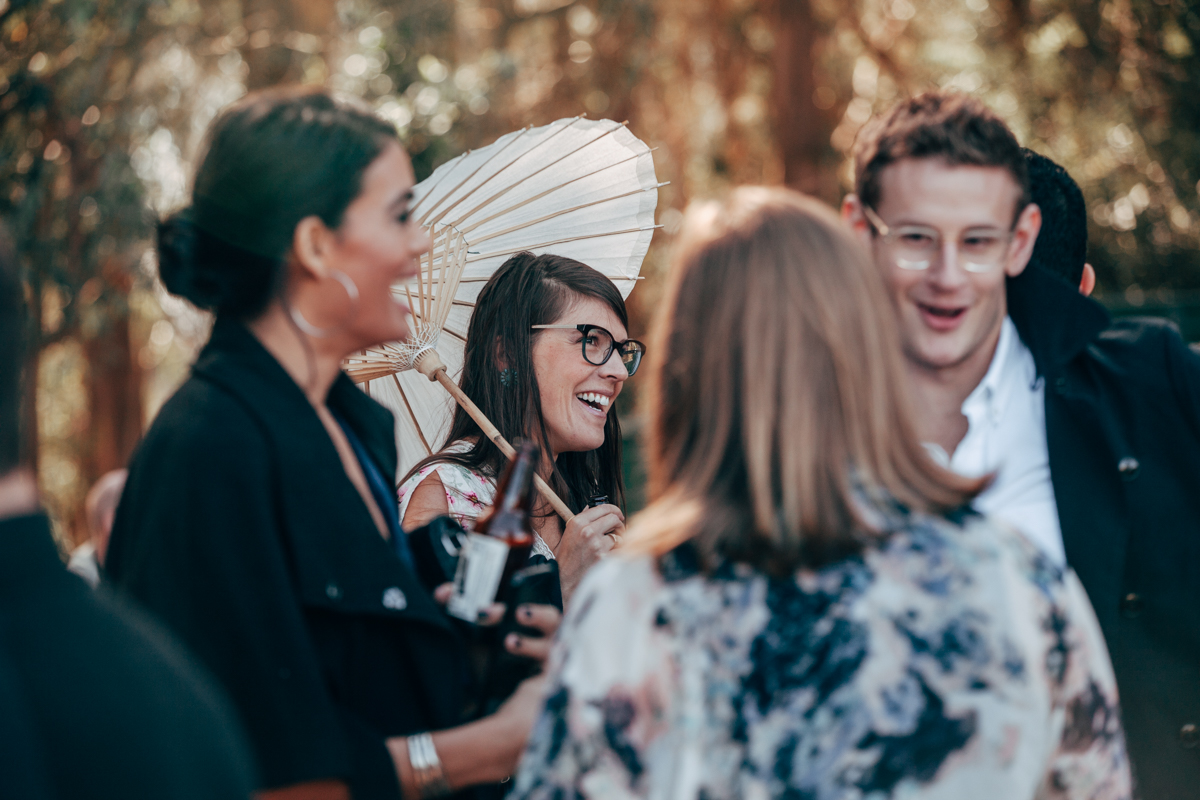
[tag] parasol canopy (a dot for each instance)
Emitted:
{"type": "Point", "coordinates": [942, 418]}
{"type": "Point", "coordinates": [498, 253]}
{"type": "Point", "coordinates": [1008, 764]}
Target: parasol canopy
{"type": "Point", "coordinates": [579, 188]}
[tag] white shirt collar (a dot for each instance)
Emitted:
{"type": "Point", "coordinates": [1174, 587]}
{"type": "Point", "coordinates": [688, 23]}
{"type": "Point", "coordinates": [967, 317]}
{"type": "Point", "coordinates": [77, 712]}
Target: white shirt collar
{"type": "Point", "coordinates": [1010, 372]}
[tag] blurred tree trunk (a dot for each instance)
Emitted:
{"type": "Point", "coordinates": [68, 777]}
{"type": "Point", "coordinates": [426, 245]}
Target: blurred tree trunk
{"type": "Point", "coordinates": [30, 430]}
{"type": "Point", "coordinates": [114, 399]}
{"type": "Point", "coordinates": [802, 129]}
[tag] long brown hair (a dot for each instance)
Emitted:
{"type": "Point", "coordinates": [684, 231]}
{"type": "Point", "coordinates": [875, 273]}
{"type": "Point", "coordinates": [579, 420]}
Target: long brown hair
{"type": "Point", "coordinates": [530, 290]}
{"type": "Point", "coordinates": [774, 398]}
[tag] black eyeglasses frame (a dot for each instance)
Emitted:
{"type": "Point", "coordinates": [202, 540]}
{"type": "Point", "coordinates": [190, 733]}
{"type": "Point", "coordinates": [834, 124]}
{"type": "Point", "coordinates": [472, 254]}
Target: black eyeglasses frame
{"type": "Point", "coordinates": [635, 357]}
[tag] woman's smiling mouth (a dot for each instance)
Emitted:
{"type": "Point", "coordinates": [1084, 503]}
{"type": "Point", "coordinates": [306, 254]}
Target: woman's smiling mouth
{"type": "Point", "coordinates": [595, 402]}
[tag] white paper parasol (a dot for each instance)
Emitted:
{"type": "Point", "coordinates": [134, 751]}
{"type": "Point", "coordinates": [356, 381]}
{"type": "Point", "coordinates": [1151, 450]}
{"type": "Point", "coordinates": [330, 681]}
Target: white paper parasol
{"type": "Point", "coordinates": [579, 188]}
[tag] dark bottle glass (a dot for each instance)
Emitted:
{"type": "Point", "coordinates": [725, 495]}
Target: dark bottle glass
{"type": "Point", "coordinates": [509, 517]}
{"type": "Point", "coordinates": [501, 542]}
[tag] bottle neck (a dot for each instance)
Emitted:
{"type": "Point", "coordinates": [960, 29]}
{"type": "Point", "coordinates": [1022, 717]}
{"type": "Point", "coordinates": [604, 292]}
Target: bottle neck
{"type": "Point", "coordinates": [515, 491]}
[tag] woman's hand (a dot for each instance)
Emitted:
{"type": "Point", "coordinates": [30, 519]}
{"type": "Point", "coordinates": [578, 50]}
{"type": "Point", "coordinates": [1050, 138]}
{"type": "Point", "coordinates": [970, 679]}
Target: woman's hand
{"type": "Point", "coordinates": [590, 534]}
{"type": "Point", "coordinates": [544, 619]}
{"type": "Point", "coordinates": [484, 751]}
{"type": "Point", "coordinates": [487, 617]}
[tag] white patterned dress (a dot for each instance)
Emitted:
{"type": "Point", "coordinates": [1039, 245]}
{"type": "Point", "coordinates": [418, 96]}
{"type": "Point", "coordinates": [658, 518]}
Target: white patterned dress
{"type": "Point", "coordinates": [468, 493]}
{"type": "Point", "coordinates": [951, 661]}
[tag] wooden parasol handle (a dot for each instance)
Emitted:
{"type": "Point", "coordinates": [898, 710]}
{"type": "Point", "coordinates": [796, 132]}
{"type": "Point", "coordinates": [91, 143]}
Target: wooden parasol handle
{"type": "Point", "coordinates": [430, 365]}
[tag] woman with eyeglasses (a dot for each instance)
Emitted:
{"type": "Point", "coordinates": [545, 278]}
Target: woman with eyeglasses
{"type": "Point", "coordinates": [546, 356]}
{"type": "Point", "coordinates": [808, 608]}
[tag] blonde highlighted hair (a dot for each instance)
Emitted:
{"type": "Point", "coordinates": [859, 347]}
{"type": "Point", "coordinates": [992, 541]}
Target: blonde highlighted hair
{"type": "Point", "coordinates": [775, 392]}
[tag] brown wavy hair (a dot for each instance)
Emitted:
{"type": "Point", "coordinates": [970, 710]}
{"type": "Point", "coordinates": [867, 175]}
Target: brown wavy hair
{"type": "Point", "coordinates": [529, 290]}
{"type": "Point", "coordinates": [775, 394]}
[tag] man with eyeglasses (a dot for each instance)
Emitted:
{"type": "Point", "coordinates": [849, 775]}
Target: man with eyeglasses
{"type": "Point", "coordinates": [1091, 428]}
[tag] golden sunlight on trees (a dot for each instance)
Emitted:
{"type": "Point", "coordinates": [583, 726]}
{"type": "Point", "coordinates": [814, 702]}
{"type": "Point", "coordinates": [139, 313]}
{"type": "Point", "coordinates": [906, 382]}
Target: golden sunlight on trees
{"type": "Point", "coordinates": [103, 103]}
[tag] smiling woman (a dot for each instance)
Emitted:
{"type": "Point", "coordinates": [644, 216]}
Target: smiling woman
{"type": "Point", "coordinates": [258, 521]}
{"type": "Point", "coordinates": [546, 356]}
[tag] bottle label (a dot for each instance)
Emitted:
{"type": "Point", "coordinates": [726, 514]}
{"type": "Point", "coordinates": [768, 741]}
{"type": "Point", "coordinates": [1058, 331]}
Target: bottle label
{"type": "Point", "coordinates": [480, 568]}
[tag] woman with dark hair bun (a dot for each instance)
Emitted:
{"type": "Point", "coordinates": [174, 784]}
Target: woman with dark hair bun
{"type": "Point", "coordinates": [258, 521]}
{"type": "Point", "coordinates": [546, 356]}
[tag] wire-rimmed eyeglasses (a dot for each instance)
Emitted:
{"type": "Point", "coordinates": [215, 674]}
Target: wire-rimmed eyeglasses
{"type": "Point", "coordinates": [915, 247]}
{"type": "Point", "coordinates": [598, 345]}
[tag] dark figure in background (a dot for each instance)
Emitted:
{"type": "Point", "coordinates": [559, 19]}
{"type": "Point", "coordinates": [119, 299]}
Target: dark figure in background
{"type": "Point", "coordinates": [1092, 426]}
{"type": "Point", "coordinates": [259, 520]}
{"type": "Point", "coordinates": [1061, 246]}
{"type": "Point", "coordinates": [95, 701]}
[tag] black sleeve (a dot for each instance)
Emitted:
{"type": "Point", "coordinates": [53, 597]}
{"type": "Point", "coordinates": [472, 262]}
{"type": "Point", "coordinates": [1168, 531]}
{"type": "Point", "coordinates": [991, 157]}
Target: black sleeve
{"type": "Point", "coordinates": [21, 763]}
{"type": "Point", "coordinates": [197, 541]}
{"type": "Point", "coordinates": [1183, 364]}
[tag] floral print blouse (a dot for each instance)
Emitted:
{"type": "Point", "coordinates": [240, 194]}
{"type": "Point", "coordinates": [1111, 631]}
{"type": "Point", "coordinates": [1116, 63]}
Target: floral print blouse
{"type": "Point", "coordinates": [468, 493]}
{"type": "Point", "coordinates": [950, 660]}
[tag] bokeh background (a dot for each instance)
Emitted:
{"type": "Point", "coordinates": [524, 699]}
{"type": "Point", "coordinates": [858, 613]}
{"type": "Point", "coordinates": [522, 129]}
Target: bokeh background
{"type": "Point", "coordinates": [103, 104]}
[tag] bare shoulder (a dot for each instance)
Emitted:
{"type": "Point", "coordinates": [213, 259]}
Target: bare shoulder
{"type": "Point", "coordinates": [428, 502]}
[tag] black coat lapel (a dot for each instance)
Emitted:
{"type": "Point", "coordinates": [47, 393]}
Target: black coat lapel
{"type": "Point", "coordinates": [341, 561]}
{"type": "Point", "coordinates": [1054, 320]}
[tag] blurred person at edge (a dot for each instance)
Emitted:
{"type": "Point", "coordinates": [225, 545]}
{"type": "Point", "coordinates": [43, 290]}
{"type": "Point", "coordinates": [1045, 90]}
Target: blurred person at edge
{"type": "Point", "coordinates": [259, 519]}
{"type": "Point", "coordinates": [96, 701]}
{"type": "Point", "coordinates": [529, 368]}
{"type": "Point", "coordinates": [99, 508]}
{"type": "Point", "coordinates": [1092, 427]}
{"type": "Point", "coordinates": [809, 607]}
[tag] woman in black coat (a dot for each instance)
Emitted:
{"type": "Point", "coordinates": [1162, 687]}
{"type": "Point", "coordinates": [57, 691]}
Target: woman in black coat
{"type": "Point", "coordinates": [259, 521]}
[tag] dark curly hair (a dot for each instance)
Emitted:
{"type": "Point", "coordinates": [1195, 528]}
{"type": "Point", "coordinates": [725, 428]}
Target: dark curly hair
{"type": "Point", "coordinates": [1061, 247]}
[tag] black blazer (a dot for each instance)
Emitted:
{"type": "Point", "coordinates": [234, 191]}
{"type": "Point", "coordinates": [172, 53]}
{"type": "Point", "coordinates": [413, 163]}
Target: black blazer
{"type": "Point", "coordinates": [239, 528]}
{"type": "Point", "coordinates": [1123, 432]}
{"type": "Point", "coordinates": [95, 700]}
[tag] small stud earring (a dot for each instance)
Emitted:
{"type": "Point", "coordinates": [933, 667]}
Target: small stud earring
{"type": "Point", "coordinates": [507, 377]}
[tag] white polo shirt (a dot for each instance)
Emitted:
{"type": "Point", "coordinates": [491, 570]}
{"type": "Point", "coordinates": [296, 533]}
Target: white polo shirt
{"type": "Point", "coordinates": [1006, 434]}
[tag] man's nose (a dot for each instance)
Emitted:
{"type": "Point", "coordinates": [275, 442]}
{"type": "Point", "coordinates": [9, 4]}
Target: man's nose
{"type": "Point", "coordinates": [947, 271]}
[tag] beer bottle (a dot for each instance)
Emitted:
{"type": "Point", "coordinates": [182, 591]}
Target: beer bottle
{"type": "Point", "coordinates": [501, 542]}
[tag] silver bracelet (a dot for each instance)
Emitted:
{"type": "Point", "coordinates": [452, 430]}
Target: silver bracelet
{"type": "Point", "coordinates": [426, 766]}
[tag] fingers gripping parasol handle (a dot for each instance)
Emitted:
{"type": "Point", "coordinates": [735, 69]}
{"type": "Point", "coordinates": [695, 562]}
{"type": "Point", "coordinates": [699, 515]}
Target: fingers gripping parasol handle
{"type": "Point", "coordinates": [430, 365]}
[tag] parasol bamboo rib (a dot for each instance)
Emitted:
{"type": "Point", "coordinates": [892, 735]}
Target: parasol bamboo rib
{"type": "Point", "coordinates": [408, 405]}
{"type": "Point", "coordinates": [425, 220]}
{"type": "Point", "coordinates": [505, 190]}
{"type": "Point", "coordinates": [431, 366]}
{"type": "Point", "coordinates": [542, 245]}
{"type": "Point", "coordinates": [560, 212]}
{"type": "Point", "coordinates": [558, 187]}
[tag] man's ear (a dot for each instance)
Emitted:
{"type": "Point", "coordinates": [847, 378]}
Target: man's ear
{"type": "Point", "coordinates": [1024, 238]}
{"type": "Point", "coordinates": [1088, 282]}
{"type": "Point", "coordinates": [311, 242]}
{"type": "Point", "coordinates": [852, 214]}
